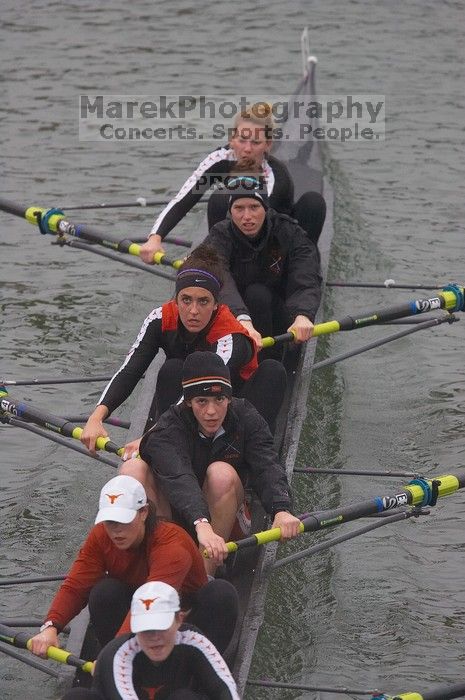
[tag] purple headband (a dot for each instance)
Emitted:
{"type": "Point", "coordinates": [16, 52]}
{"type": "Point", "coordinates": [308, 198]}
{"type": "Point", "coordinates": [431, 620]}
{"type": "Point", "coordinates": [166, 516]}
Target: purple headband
{"type": "Point", "coordinates": [192, 277]}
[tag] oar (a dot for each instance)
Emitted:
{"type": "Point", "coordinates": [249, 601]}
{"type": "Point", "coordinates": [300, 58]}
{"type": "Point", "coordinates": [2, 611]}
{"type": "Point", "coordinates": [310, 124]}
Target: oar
{"type": "Point", "coordinates": [29, 661]}
{"type": "Point", "coordinates": [53, 221]}
{"type": "Point", "coordinates": [8, 419]}
{"type": "Point", "coordinates": [422, 492]}
{"type": "Point", "coordinates": [440, 693]}
{"type": "Point", "coordinates": [139, 202]}
{"type": "Point", "coordinates": [444, 692]}
{"type": "Point", "coordinates": [111, 420]}
{"type": "Point", "coordinates": [181, 242]}
{"type": "Point", "coordinates": [32, 579]}
{"type": "Point", "coordinates": [423, 325]}
{"type": "Point", "coordinates": [355, 472]}
{"type": "Point", "coordinates": [317, 688]}
{"type": "Point", "coordinates": [387, 284]}
{"type": "Point", "coordinates": [451, 298]}
{"type": "Point", "coordinates": [22, 640]}
{"type": "Point", "coordinates": [49, 420]}
{"type": "Point", "coordinates": [53, 380]}
{"type": "Point", "coordinates": [127, 260]}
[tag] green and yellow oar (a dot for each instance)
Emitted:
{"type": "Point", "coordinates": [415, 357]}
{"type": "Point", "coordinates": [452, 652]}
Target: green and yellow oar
{"type": "Point", "coordinates": [22, 640]}
{"type": "Point", "coordinates": [419, 492]}
{"type": "Point", "coordinates": [451, 298]}
{"type": "Point", "coordinates": [54, 221]}
{"type": "Point", "coordinates": [444, 692]}
{"type": "Point", "coordinates": [57, 424]}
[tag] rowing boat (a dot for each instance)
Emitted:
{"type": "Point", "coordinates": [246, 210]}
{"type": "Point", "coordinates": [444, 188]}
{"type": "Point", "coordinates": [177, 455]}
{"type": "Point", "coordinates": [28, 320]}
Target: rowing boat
{"type": "Point", "coordinates": [304, 161]}
{"type": "Point", "coordinates": [248, 571]}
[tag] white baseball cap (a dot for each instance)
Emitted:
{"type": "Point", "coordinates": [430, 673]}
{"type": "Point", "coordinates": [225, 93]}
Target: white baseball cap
{"type": "Point", "coordinates": [153, 607]}
{"type": "Point", "coordinates": [120, 499]}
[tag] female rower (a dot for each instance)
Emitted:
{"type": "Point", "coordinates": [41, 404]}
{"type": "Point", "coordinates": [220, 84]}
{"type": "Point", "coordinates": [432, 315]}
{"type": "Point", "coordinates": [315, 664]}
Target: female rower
{"type": "Point", "coordinates": [193, 320]}
{"type": "Point", "coordinates": [273, 279]}
{"type": "Point", "coordinates": [127, 547]}
{"type": "Point", "coordinates": [163, 657]}
{"type": "Point", "coordinates": [250, 144]}
{"type": "Point", "coordinates": [205, 451]}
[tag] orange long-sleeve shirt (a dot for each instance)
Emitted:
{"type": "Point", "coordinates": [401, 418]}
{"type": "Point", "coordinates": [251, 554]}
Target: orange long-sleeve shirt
{"type": "Point", "coordinates": [168, 554]}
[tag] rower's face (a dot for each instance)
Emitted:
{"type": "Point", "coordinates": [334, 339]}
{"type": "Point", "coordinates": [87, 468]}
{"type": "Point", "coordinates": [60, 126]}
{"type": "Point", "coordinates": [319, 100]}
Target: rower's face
{"type": "Point", "coordinates": [249, 143]}
{"type": "Point", "coordinates": [127, 535]}
{"type": "Point", "coordinates": [196, 307]}
{"type": "Point", "coordinates": [248, 215]}
{"type": "Point", "coordinates": [158, 644]}
{"type": "Point", "coordinates": [210, 412]}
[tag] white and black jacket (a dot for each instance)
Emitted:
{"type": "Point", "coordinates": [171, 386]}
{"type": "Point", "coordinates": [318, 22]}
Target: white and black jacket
{"type": "Point", "coordinates": [219, 164]}
{"type": "Point", "coordinates": [124, 672]}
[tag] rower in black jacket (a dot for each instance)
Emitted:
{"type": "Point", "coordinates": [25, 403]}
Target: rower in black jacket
{"type": "Point", "coordinates": [204, 451]}
{"type": "Point", "coordinates": [193, 320]}
{"type": "Point", "coordinates": [273, 280]}
{"type": "Point", "coordinates": [249, 146]}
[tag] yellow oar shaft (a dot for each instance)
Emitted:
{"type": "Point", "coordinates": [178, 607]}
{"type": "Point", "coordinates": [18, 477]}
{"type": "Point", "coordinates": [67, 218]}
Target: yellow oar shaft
{"type": "Point", "coordinates": [450, 300]}
{"type": "Point", "coordinates": [418, 492]}
{"type": "Point", "coordinates": [50, 421]}
{"type": "Point", "coordinates": [66, 657]}
{"type": "Point", "coordinates": [57, 223]}
{"type": "Point", "coordinates": [22, 641]}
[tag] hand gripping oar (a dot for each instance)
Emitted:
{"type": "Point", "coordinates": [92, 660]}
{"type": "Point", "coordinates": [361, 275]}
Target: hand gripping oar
{"type": "Point", "coordinates": [451, 298]}
{"type": "Point", "coordinates": [23, 640]}
{"type": "Point", "coordinates": [48, 420]}
{"type": "Point", "coordinates": [419, 492]}
{"type": "Point", "coordinates": [54, 221]}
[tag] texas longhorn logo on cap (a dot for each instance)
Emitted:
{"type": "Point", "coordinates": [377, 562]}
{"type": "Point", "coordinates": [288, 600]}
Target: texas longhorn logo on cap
{"type": "Point", "coordinates": [120, 500]}
{"type": "Point", "coordinates": [154, 606]}
{"type": "Point", "coordinates": [113, 497]}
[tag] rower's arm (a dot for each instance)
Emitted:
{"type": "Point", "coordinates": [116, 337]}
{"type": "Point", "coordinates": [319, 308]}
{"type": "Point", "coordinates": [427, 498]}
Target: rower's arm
{"type": "Point", "coordinates": [303, 286]}
{"type": "Point", "coordinates": [166, 449]}
{"type": "Point", "coordinates": [136, 362]}
{"type": "Point", "coordinates": [211, 671]}
{"type": "Point", "coordinates": [73, 594]}
{"type": "Point", "coordinates": [220, 237]}
{"type": "Point", "coordinates": [282, 196]}
{"type": "Point", "coordinates": [191, 192]}
{"type": "Point", "coordinates": [268, 477]}
{"type": "Point", "coordinates": [94, 427]}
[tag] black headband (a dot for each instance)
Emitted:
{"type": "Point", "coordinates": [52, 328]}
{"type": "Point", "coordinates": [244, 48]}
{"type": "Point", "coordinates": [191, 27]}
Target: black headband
{"type": "Point", "coordinates": [192, 277]}
{"type": "Point", "coordinates": [245, 186]}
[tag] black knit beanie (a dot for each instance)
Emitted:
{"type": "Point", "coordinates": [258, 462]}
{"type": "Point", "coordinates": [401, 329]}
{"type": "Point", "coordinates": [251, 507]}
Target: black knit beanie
{"type": "Point", "coordinates": [205, 374]}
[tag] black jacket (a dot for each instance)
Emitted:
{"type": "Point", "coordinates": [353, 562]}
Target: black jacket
{"type": "Point", "coordinates": [282, 257]}
{"type": "Point", "coordinates": [179, 457]}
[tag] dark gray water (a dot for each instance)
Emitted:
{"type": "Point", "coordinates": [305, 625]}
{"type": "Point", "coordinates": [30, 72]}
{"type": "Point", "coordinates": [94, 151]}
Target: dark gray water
{"type": "Point", "coordinates": [383, 611]}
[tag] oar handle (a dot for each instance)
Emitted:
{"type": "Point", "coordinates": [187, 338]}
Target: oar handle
{"type": "Point", "coordinates": [269, 341]}
{"type": "Point", "coordinates": [101, 443]}
{"type": "Point", "coordinates": [263, 537]}
{"type": "Point", "coordinates": [66, 657]}
{"type": "Point", "coordinates": [21, 640]}
{"type": "Point", "coordinates": [159, 258]}
{"type": "Point", "coordinates": [52, 422]}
